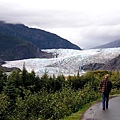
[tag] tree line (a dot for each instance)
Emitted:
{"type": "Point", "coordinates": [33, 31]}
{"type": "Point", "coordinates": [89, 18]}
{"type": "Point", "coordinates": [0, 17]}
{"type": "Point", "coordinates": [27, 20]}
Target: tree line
{"type": "Point", "coordinates": [25, 96]}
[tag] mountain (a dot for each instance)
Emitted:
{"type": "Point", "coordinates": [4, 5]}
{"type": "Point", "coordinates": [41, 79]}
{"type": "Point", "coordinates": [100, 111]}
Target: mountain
{"type": "Point", "coordinates": [109, 45]}
{"type": "Point", "coordinates": [14, 48]}
{"type": "Point", "coordinates": [40, 38]}
{"type": "Point", "coordinates": [18, 41]}
{"type": "Point", "coordinates": [2, 62]}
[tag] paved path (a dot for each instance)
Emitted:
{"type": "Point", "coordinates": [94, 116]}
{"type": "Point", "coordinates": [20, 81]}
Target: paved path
{"type": "Point", "coordinates": [95, 112]}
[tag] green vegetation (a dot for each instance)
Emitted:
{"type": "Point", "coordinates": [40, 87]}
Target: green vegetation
{"type": "Point", "coordinates": [14, 47]}
{"type": "Point", "coordinates": [25, 96]}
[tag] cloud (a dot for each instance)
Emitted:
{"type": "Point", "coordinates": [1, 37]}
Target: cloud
{"type": "Point", "coordinates": [87, 23]}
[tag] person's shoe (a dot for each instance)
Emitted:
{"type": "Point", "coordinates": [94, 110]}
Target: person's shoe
{"type": "Point", "coordinates": [106, 107]}
{"type": "Point", "coordinates": [103, 108]}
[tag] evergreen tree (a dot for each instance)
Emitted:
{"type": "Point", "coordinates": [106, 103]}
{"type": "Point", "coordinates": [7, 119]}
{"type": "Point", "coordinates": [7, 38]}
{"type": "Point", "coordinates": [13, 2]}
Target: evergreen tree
{"type": "Point", "coordinates": [3, 78]}
{"type": "Point", "coordinates": [24, 75]}
{"type": "Point", "coordinates": [11, 92]}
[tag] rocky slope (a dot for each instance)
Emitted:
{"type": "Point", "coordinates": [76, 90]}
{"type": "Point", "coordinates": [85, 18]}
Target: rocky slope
{"type": "Point", "coordinates": [113, 64]}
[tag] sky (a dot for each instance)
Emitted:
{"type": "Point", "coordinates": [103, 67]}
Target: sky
{"type": "Point", "coordinates": [86, 23]}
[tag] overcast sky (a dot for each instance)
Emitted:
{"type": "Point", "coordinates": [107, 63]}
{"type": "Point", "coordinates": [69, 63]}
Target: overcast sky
{"type": "Point", "coordinates": [86, 23]}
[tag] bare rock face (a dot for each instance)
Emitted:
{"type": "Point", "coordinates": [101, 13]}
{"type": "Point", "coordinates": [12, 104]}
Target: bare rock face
{"type": "Point", "coordinates": [93, 66]}
{"type": "Point", "coordinates": [113, 64]}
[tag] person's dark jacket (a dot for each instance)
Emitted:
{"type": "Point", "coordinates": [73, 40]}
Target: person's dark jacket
{"type": "Point", "coordinates": [105, 86]}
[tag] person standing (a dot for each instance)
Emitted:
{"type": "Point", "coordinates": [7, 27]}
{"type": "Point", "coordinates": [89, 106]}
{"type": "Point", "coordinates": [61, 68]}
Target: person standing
{"type": "Point", "coordinates": [105, 87]}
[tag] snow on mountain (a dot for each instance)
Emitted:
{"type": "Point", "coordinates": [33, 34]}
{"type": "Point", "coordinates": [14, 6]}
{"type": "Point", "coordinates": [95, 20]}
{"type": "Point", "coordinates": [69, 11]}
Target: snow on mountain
{"type": "Point", "coordinates": [66, 61]}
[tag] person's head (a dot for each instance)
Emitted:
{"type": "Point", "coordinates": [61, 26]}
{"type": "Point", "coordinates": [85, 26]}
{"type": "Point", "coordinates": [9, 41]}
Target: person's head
{"type": "Point", "coordinates": [106, 76]}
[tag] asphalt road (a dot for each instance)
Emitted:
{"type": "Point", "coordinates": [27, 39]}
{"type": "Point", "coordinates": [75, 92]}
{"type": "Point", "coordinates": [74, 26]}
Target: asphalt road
{"type": "Point", "coordinates": [95, 112]}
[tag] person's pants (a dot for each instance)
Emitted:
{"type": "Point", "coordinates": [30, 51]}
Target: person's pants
{"type": "Point", "coordinates": [105, 100]}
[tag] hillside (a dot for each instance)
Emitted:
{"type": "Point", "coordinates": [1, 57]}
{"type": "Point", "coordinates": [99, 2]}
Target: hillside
{"type": "Point", "coordinates": [40, 38]}
{"type": "Point", "coordinates": [18, 41]}
{"type": "Point", "coordinates": [109, 45]}
{"type": "Point", "coordinates": [14, 48]}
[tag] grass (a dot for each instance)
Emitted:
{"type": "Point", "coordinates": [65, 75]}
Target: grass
{"type": "Point", "coordinates": [78, 115]}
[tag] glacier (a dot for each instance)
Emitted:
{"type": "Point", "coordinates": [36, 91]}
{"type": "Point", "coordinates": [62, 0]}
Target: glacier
{"type": "Point", "coordinates": [66, 61]}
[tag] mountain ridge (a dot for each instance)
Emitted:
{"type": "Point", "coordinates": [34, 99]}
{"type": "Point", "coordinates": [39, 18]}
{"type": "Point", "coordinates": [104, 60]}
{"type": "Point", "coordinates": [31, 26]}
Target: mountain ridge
{"type": "Point", "coordinates": [18, 41]}
{"type": "Point", "coordinates": [41, 38]}
{"type": "Point", "coordinates": [112, 44]}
